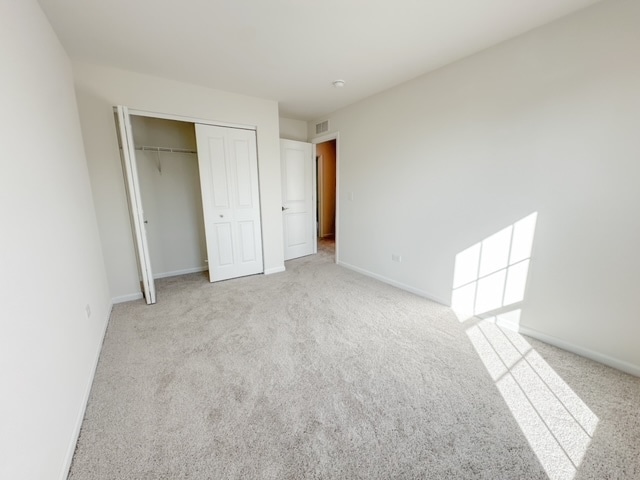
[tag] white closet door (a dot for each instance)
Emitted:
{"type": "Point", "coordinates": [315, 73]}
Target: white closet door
{"type": "Point", "coordinates": [130, 169]}
{"type": "Point", "coordinates": [228, 162]}
{"type": "Point", "coordinates": [298, 199]}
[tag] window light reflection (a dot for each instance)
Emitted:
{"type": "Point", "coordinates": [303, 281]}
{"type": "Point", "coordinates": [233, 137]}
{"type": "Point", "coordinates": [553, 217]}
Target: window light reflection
{"type": "Point", "coordinates": [557, 424]}
{"type": "Point", "coordinates": [493, 273]}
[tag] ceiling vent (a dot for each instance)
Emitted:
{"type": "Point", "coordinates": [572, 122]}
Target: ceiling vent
{"type": "Point", "coordinates": [322, 127]}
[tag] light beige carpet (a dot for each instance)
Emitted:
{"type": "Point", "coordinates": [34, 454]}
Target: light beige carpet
{"type": "Point", "coordinates": [319, 372]}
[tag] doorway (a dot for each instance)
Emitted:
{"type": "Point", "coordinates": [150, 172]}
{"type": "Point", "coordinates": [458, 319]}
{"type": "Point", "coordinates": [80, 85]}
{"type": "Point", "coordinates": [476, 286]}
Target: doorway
{"type": "Point", "coordinates": [326, 168]}
{"type": "Point", "coordinates": [167, 162]}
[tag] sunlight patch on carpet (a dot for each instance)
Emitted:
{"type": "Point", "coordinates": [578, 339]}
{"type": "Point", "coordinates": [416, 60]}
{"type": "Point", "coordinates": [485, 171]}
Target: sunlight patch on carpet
{"type": "Point", "coordinates": [557, 424]}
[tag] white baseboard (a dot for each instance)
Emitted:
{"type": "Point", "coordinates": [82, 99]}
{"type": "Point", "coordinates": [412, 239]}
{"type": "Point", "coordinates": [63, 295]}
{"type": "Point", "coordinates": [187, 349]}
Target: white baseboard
{"type": "Point", "coordinates": [181, 272]}
{"type": "Point", "coordinates": [85, 400]}
{"type": "Point", "coordinates": [127, 298]}
{"type": "Point", "coordinates": [501, 316]}
{"type": "Point", "coordinates": [394, 283]}
{"type": "Point", "coordinates": [584, 352]}
{"type": "Point", "coordinates": [270, 271]}
{"type": "Point", "coordinates": [508, 324]}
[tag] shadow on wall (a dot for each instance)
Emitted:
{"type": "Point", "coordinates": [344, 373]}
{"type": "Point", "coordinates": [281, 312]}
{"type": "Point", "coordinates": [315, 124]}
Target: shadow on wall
{"type": "Point", "coordinates": [491, 276]}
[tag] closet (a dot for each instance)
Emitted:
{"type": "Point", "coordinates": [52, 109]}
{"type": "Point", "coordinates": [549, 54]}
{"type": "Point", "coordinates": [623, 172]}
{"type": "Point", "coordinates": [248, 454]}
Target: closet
{"type": "Point", "coordinates": [193, 194]}
{"type": "Point", "coordinates": [169, 181]}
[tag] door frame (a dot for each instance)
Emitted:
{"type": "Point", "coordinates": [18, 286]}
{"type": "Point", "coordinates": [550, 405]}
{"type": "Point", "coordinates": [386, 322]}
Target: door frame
{"type": "Point", "coordinates": [321, 139]}
{"type": "Point", "coordinates": [318, 187]}
{"type": "Point", "coordinates": [182, 118]}
{"type": "Point", "coordinates": [144, 261]}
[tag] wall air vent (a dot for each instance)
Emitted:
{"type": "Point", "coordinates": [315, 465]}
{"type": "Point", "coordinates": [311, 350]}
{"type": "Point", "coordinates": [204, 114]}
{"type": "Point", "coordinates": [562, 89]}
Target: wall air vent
{"type": "Point", "coordinates": [322, 127]}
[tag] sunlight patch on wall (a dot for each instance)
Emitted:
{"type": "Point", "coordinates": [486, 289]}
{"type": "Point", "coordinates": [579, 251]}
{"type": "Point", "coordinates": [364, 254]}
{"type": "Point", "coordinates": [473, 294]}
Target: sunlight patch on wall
{"type": "Point", "coordinates": [557, 424]}
{"type": "Point", "coordinates": [493, 273]}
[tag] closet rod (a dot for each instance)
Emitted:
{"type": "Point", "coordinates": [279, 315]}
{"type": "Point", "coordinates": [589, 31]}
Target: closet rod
{"type": "Point", "coordinates": [166, 149]}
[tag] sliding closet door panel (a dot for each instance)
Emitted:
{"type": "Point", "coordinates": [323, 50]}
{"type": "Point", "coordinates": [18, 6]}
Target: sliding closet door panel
{"type": "Point", "coordinates": [130, 169]}
{"type": "Point", "coordinates": [230, 195]}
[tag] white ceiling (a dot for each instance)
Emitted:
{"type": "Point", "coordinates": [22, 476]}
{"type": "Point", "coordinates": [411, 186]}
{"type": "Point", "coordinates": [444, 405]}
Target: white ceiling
{"type": "Point", "coordinates": [291, 50]}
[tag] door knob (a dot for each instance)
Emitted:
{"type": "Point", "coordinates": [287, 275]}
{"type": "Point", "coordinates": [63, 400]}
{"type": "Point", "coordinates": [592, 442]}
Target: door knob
{"type": "Point", "coordinates": [285, 208]}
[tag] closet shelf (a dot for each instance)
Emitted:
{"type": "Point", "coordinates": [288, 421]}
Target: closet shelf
{"type": "Point", "coordinates": [166, 149]}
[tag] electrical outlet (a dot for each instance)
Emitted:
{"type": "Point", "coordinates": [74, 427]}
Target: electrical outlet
{"type": "Point", "coordinates": [87, 310]}
{"type": "Point", "coordinates": [396, 257]}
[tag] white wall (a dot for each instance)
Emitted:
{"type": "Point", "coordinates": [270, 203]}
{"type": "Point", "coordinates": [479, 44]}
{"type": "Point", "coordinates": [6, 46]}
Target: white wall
{"type": "Point", "coordinates": [291, 129]}
{"type": "Point", "coordinates": [99, 89]}
{"type": "Point", "coordinates": [546, 122]}
{"type": "Point", "coordinates": [171, 198]}
{"type": "Point", "coordinates": [51, 263]}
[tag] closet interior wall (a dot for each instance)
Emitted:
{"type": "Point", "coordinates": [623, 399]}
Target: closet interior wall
{"type": "Point", "coordinates": [171, 198]}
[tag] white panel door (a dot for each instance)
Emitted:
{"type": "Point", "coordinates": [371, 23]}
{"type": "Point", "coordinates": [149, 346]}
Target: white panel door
{"type": "Point", "coordinates": [228, 162]}
{"type": "Point", "coordinates": [298, 199]}
{"type": "Point", "coordinates": [130, 168]}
